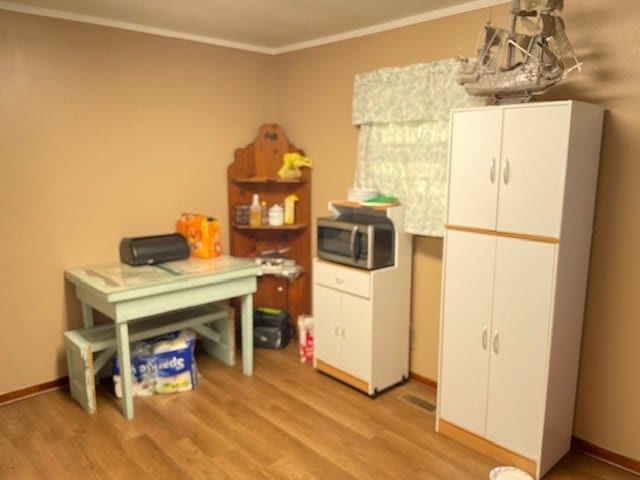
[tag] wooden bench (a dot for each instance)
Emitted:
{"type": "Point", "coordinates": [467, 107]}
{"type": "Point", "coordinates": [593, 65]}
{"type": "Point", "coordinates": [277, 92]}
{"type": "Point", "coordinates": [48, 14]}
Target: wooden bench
{"type": "Point", "coordinates": [89, 349]}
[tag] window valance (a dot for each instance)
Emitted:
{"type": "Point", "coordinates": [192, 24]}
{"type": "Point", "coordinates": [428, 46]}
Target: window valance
{"type": "Point", "coordinates": [403, 114]}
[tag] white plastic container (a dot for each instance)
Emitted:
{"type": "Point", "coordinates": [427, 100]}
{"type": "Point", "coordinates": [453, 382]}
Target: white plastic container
{"type": "Point", "coordinates": [509, 473]}
{"type": "Point", "coordinates": [276, 215]}
{"type": "Point", "coordinates": [356, 194]}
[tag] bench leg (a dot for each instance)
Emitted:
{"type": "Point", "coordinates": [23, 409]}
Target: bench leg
{"type": "Point", "coordinates": [219, 339]}
{"type": "Point", "coordinates": [81, 379]}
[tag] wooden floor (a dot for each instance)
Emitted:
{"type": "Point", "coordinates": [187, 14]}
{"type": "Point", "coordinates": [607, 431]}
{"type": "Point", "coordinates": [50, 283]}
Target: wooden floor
{"type": "Point", "coordinates": [287, 421]}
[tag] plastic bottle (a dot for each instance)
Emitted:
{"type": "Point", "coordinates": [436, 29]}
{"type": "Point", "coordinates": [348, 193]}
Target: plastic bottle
{"type": "Point", "coordinates": [255, 212]}
{"type": "Point", "coordinates": [264, 213]}
{"type": "Point", "coordinates": [289, 208]}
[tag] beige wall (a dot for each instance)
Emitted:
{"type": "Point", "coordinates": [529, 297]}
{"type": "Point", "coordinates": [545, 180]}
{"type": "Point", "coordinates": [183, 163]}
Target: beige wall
{"type": "Point", "coordinates": [106, 133]}
{"type": "Point", "coordinates": [314, 103]}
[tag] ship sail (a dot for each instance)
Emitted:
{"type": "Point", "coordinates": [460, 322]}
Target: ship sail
{"type": "Point", "coordinates": [524, 59]}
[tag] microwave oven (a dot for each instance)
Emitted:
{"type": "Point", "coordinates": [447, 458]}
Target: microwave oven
{"type": "Point", "coordinates": [356, 239]}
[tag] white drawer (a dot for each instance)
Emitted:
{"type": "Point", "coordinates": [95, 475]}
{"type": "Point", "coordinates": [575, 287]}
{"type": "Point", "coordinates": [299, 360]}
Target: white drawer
{"type": "Point", "coordinates": [345, 279]}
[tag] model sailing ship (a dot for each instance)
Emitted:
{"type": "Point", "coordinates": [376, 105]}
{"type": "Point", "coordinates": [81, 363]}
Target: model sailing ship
{"type": "Point", "coordinates": [523, 60]}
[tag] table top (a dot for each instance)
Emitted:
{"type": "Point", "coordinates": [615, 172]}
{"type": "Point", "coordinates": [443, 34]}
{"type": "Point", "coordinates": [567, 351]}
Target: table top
{"type": "Point", "coordinates": [121, 281]}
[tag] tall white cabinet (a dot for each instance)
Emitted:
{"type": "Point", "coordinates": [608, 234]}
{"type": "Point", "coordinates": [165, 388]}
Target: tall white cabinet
{"type": "Point", "coordinates": [522, 184]}
{"type": "Point", "coordinates": [362, 317]}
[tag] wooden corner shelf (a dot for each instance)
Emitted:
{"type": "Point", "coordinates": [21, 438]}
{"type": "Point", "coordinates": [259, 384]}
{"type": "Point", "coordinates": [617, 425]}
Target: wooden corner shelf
{"type": "Point", "coordinates": [255, 170]}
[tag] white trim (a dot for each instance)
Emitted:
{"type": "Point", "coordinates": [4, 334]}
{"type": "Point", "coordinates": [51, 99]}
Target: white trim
{"type": "Point", "coordinates": [107, 22]}
{"type": "Point", "coordinates": [382, 27]}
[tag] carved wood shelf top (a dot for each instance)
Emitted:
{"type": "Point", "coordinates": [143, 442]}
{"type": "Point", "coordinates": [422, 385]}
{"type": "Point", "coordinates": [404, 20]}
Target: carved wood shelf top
{"type": "Point", "coordinates": [269, 180]}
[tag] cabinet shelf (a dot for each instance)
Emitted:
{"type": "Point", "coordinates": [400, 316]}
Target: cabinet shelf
{"type": "Point", "coordinates": [268, 180]}
{"type": "Point", "coordinates": [342, 204]}
{"type": "Point", "coordinates": [295, 226]}
{"type": "Point", "coordinates": [282, 274]}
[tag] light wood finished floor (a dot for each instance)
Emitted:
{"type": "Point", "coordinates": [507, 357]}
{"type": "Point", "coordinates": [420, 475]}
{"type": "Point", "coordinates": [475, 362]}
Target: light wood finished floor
{"type": "Point", "coordinates": [287, 421]}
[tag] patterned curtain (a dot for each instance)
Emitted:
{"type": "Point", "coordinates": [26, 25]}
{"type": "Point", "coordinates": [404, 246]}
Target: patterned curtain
{"type": "Point", "coordinates": [403, 115]}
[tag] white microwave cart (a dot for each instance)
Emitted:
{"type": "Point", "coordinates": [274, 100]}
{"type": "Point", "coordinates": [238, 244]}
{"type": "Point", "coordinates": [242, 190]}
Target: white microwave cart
{"type": "Point", "coordinates": [522, 188]}
{"type": "Point", "coordinates": [362, 317]}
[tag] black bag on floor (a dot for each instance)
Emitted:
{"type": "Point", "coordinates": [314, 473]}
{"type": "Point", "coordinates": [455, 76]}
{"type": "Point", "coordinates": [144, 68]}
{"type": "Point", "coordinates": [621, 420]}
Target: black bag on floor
{"type": "Point", "coordinates": [271, 328]}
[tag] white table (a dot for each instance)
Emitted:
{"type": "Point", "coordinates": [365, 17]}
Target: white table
{"type": "Point", "coordinates": [125, 293]}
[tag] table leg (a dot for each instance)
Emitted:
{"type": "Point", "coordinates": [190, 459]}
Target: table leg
{"type": "Point", "coordinates": [246, 312]}
{"type": "Point", "coordinates": [124, 359]}
{"type": "Point", "coordinates": [87, 314]}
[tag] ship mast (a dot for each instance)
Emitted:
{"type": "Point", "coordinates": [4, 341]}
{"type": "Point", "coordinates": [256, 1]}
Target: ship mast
{"type": "Point", "coordinates": [526, 57]}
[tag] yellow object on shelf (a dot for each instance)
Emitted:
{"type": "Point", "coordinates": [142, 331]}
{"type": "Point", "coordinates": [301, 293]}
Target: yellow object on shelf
{"type": "Point", "coordinates": [289, 209]}
{"type": "Point", "coordinates": [291, 165]}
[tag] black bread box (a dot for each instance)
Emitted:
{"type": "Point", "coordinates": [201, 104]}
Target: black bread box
{"type": "Point", "coordinates": [153, 249]}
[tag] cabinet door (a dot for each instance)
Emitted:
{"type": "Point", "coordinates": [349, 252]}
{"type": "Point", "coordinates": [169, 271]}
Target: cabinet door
{"type": "Point", "coordinates": [520, 344]}
{"type": "Point", "coordinates": [467, 310]}
{"type": "Point", "coordinates": [326, 311]}
{"type": "Point", "coordinates": [271, 293]}
{"type": "Point", "coordinates": [533, 168]}
{"type": "Point", "coordinates": [355, 333]}
{"type": "Point", "coordinates": [474, 168]}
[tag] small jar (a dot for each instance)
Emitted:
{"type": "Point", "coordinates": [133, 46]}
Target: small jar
{"type": "Point", "coordinates": [242, 214]}
{"type": "Point", "coordinates": [276, 215]}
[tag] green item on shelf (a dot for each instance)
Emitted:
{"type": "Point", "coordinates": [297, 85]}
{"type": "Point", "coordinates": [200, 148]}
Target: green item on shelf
{"type": "Point", "coordinates": [382, 200]}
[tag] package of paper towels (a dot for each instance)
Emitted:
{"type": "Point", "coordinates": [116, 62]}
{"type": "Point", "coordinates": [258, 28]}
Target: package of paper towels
{"type": "Point", "coordinates": [162, 364]}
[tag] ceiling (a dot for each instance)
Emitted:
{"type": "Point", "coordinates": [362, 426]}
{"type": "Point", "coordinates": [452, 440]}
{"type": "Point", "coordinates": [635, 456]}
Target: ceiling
{"type": "Point", "coordinates": [266, 26]}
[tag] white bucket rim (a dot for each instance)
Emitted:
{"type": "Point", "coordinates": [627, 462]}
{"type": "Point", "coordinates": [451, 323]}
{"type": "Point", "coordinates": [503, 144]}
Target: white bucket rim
{"type": "Point", "coordinates": [509, 473]}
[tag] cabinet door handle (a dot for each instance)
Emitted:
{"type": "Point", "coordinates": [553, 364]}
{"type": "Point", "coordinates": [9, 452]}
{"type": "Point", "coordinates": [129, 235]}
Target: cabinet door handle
{"type": "Point", "coordinates": [339, 280]}
{"type": "Point", "coordinates": [492, 170]}
{"type": "Point", "coordinates": [342, 330]}
{"type": "Point", "coordinates": [496, 342]}
{"type": "Point", "coordinates": [506, 172]}
{"type": "Point", "coordinates": [336, 331]}
{"type": "Point", "coordinates": [485, 337]}
{"type": "Point", "coordinates": [352, 242]}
